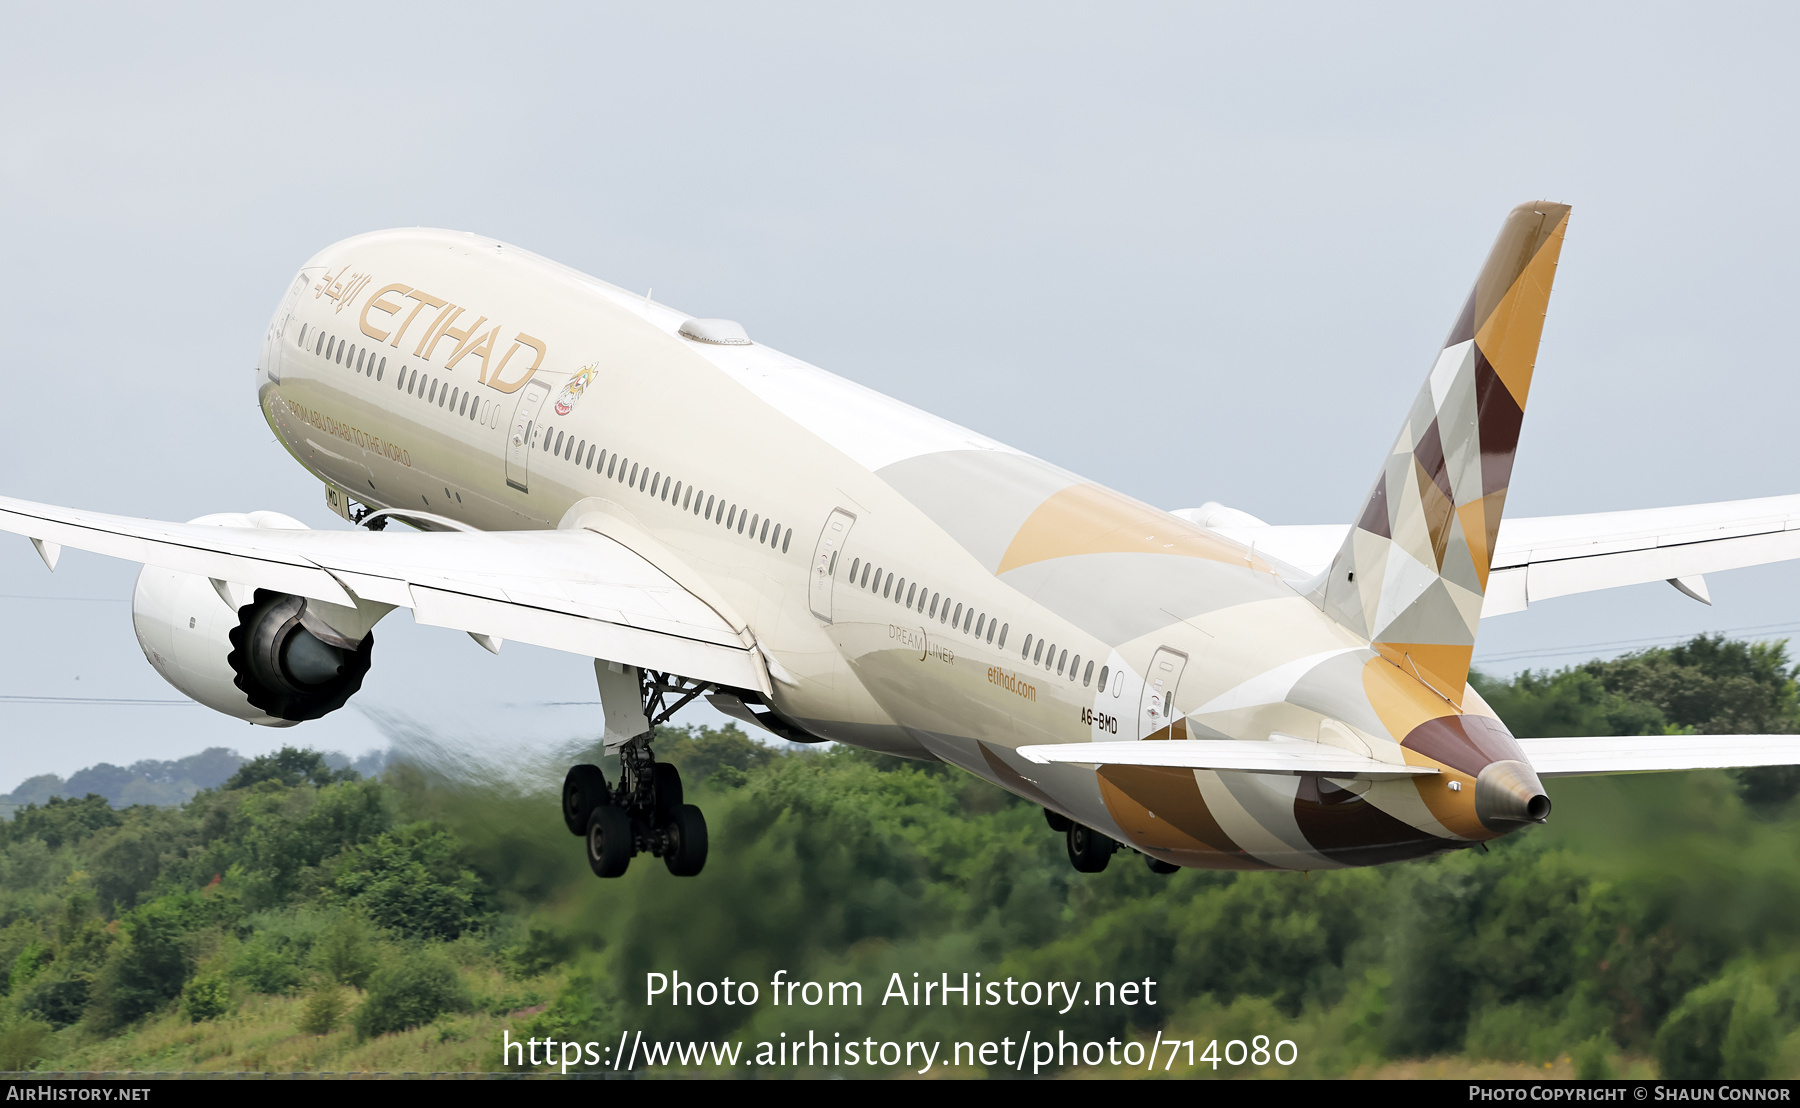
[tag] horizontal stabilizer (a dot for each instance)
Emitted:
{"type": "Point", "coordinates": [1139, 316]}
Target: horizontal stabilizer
{"type": "Point", "coordinates": [1586, 757]}
{"type": "Point", "coordinates": [1543, 557]}
{"type": "Point", "coordinates": [1280, 755]}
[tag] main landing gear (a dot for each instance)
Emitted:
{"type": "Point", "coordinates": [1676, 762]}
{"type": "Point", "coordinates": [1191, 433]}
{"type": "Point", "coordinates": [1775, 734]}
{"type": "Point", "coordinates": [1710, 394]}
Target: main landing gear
{"type": "Point", "coordinates": [644, 814]}
{"type": "Point", "coordinates": [1089, 850]}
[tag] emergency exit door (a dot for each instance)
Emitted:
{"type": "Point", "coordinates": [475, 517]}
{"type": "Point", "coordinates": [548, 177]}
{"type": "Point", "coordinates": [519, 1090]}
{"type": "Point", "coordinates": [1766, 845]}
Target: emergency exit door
{"type": "Point", "coordinates": [1156, 708]}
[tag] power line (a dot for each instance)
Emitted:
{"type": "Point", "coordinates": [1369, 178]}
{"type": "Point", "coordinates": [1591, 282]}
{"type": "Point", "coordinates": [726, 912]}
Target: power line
{"type": "Point", "coordinates": [90, 700]}
{"type": "Point", "coordinates": [1629, 644]}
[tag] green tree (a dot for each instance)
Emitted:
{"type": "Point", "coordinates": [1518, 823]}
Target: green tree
{"type": "Point", "coordinates": [291, 767]}
{"type": "Point", "coordinates": [412, 880]}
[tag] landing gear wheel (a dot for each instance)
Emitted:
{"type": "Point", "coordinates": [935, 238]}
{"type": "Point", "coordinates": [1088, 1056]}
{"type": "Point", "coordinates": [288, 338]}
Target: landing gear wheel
{"type": "Point", "coordinates": [1157, 865]}
{"type": "Point", "coordinates": [686, 851]}
{"type": "Point", "coordinates": [608, 841]}
{"type": "Point", "coordinates": [1089, 850]}
{"type": "Point", "coordinates": [584, 789]}
{"type": "Point", "coordinates": [666, 780]}
{"type": "Point", "coordinates": [1058, 822]}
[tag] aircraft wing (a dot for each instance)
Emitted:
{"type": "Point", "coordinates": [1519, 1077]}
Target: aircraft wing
{"type": "Point", "coordinates": [1246, 756]}
{"type": "Point", "coordinates": [571, 590]}
{"type": "Point", "coordinates": [1538, 558]}
{"type": "Point", "coordinates": [1586, 757]}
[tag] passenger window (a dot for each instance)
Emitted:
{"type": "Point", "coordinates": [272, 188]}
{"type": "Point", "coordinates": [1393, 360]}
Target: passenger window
{"type": "Point", "coordinates": [709, 508]}
{"type": "Point", "coordinates": [855, 563]}
{"type": "Point", "coordinates": [933, 610]}
{"type": "Point", "coordinates": [687, 499]}
{"type": "Point", "coordinates": [411, 381]}
{"type": "Point", "coordinates": [765, 532]}
{"type": "Point", "coordinates": [865, 577]}
{"type": "Point", "coordinates": [665, 490]}
{"type": "Point", "coordinates": [609, 462]}
{"type": "Point", "coordinates": [1026, 651]}
{"type": "Point", "coordinates": [338, 356]}
{"type": "Point", "coordinates": [557, 448]}
{"type": "Point", "coordinates": [453, 393]}
{"type": "Point", "coordinates": [980, 622]}
{"type": "Point", "coordinates": [356, 366]}
{"type": "Point", "coordinates": [400, 378]}
{"type": "Point", "coordinates": [677, 499]}
{"type": "Point", "coordinates": [1088, 677]}
{"type": "Point", "coordinates": [957, 616]}
{"type": "Point", "coordinates": [1118, 683]}
{"type": "Point", "coordinates": [1073, 666]}
{"type": "Point", "coordinates": [1004, 628]}
{"type": "Point", "coordinates": [590, 457]}
{"type": "Point", "coordinates": [1061, 662]}
{"type": "Point", "coordinates": [319, 346]}
{"type": "Point", "coordinates": [464, 410]}
{"type": "Point", "coordinates": [907, 603]}
{"type": "Point", "coordinates": [741, 525]}
{"type": "Point", "coordinates": [887, 586]}
{"type": "Point", "coordinates": [380, 369]}
{"type": "Point", "coordinates": [1039, 656]}
{"type": "Point", "coordinates": [634, 475]}
{"type": "Point", "coordinates": [789, 537]}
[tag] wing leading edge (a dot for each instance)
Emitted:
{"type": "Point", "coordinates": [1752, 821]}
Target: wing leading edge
{"type": "Point", "coordinates": [572, 590]}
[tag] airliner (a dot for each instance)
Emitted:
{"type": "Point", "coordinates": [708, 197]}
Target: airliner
{"type": "Point", "coordinates": [583, 468]}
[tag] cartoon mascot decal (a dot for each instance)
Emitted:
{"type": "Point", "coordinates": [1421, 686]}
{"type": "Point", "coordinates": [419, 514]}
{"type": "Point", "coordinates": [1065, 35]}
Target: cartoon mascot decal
{"type": "Point", "coordinates": [571, 392]}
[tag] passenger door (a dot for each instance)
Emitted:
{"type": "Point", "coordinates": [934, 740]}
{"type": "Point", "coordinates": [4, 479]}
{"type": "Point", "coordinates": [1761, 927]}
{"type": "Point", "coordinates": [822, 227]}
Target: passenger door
{"type": "Point", "coordinates": [825, 558]}
{"type": "Point", "coordinates": [518, 440]}
{"type": "Point", "coordinates": [1156, 707]}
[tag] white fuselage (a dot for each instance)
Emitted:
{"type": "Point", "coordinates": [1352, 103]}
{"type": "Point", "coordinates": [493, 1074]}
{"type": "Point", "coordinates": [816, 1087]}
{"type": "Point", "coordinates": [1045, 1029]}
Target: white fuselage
{"type": "Point", "coordinates": [450, 374]}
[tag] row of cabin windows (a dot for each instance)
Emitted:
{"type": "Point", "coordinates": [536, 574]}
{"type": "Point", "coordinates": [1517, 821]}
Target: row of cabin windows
{"type": "Point", "coordinates": [916, 597]}
{"type": "Point", "coordinates": [1050, 658]}
{"type": "Point", "coordinates": [666, 488]}
{"type": "Point", "coordinates": [364, 361]}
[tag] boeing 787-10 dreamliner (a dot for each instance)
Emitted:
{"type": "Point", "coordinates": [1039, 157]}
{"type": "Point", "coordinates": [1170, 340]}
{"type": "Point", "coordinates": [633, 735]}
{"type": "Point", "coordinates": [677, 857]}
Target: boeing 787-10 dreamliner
{"type": "Point", "coordinates": [589, 471]}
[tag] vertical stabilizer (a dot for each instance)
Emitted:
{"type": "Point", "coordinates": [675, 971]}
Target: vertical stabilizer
{"type": "Point", "coordinates": [1412, 573]}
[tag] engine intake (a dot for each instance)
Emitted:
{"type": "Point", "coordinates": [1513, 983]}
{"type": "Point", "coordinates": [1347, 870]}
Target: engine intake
{"type": "Point", "coordinates": [290, 665]}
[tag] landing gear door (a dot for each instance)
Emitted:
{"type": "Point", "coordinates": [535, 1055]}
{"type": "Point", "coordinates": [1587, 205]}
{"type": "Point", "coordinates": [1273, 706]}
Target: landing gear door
{"type": "Point", "coordinates": [1156, 707]}
{"type": "Point", "coordinates": [518, 440]}
{"type": "Point", "coordinates": [825, 560]}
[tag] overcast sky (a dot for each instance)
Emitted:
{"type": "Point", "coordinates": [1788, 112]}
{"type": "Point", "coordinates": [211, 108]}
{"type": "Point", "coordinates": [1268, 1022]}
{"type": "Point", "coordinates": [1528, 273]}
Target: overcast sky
{"type": "Point", "coordinates": [1194, 252]}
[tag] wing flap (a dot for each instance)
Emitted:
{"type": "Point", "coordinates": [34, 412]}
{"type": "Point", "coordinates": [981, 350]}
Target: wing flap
{"type": "Point", "coordinates": [1283, 756]}
{"type": "Point", "coordinates": [1591, 756]}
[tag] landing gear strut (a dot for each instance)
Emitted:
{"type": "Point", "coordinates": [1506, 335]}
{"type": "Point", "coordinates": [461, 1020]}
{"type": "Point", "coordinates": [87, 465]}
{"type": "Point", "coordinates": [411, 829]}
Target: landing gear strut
{"type": "Point", "coordinates": [644, 813]}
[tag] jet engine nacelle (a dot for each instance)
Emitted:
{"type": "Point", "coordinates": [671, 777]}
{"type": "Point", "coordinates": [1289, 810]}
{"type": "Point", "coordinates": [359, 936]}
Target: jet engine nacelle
{"type": "Point", "coordinates": [263, 656]}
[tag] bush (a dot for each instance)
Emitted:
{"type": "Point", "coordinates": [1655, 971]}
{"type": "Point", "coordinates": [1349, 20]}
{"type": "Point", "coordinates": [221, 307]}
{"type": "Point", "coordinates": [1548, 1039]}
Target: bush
{"type": "Point", "coordinates": [265, 965]}
{"type": "Point", "coordinates": [206, 997]}
{"type": "Point", "coordinates": [22, 1044]}
{"type": "Point", "coordinates": [1722, 1029]}
{"type": "Point", "coordinates": [58, 1001]}
{"type": "Point", "coordinates": [346, 952]}
{"type": "Point", "coordinates": [417, 989]}
{"type": "Point", "coordinates": [323, 1009]}
{"type": "Point", "coordinates": [412, 880]}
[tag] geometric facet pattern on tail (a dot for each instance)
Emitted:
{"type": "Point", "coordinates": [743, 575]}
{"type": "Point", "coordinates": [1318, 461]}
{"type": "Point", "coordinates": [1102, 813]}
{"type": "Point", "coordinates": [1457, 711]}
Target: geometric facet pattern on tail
{"type": "Point", "coordinates": [1412, 572]}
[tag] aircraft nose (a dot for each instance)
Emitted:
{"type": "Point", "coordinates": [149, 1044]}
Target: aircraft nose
{"type": "Point", "coordinates": [1509, 794]}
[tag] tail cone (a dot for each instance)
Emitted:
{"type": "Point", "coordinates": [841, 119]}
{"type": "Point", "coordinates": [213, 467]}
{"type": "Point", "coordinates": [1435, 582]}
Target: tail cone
{"type": "Point", "coordinates": [1508, 794]}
